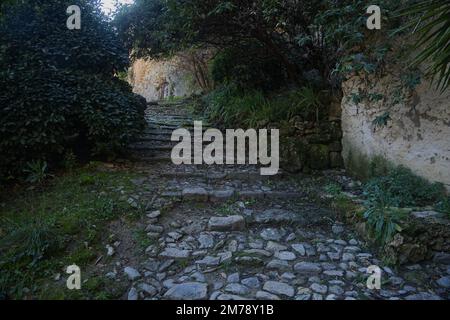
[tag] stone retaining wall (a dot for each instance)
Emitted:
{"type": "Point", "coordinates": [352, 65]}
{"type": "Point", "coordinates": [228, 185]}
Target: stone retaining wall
{"type": "Point", "coordinates": [416, 134]}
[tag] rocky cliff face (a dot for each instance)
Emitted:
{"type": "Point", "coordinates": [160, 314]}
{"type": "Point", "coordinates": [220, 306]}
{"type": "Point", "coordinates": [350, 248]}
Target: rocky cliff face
{"type": "Point", "coordinates": [381, 119]}
{"type": "Point", "coordinates": [161, 79]}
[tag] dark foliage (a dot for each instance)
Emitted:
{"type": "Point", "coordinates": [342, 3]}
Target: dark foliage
{"type": "Point", "coordinates": [403, 188]}
{"type": "Point", "coordinates": [59, 92]}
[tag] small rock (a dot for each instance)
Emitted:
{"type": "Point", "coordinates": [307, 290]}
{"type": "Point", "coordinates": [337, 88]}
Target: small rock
{"type": "Point", "coordinates": [152, 250]}
{"type": "Point", "coordinates": [340, 242]}
{"type": "Point", "coordinates": [198, 277]}
{"type": "Point", "coordinates": [175, 253]}
{"type": "Point", "coordinates": [133, 294]}
{"type": "Point", "coordinates": [337, 229]}
{"type": "Point", "coordinates": [285, 255]}
{"type": "Point", "coordinates": [444, 282]}
{"type": "Point", "coordinates": [154, 214]}
{"type": "Point", "coordinates": [303, 297]}
{"type": "Point", "coordinates": [423, 296]}
{"type": "Point", "coordinates": [251, 282]}
{"type": "Point", "coordinates": [233, 278]}
{"type": "Point", "coordinates": [307, 268]}
{"type": "Point", "coordinates": [165, 265]}
{"type": "Point", "coordinates": [334, 273]}
{"type": "Point", "coordinates": [396, 281]}
{"type": "Point", "coordinates": [319, 288]}
{"type": "Point", "coordinates": [227, 297]}
{"type": "Point", "coordinates": [209, 261]}
{"type": "Point", "coordinates": [348, 257]}
{"type": "Point", "coordinates": [237, 288]}
{"type": "Point", "coordinates": [153, 235]}
{"type": "Point", "coordinates": [280, 265]}
{"type": "Point", "coordinates": [299, 248]}
{"type": "Point", "coordinates": [110, 250]}
{"type": "Point", "coordinates": [288, 276]}
{"type": "Point", "coordinates": [154, 228]}
{"type": "Point", "coordinates": [271, 234]}
{"type": "Point", "coordinates": [188, 291]}
{"type": "Point", "coordinates": [425, 214]}
{"type": "Point", "coordinates": [175, 235]}
{"type": "Point", "coordinates": [442, 257]}
{"type": "Point", "coordinates": [225, 256]}
{"type": "Point", "coordinates": [336, 290]}
{"type": "Point", "coordinates": [262, 295]}
{"type": "Point", "coordinates": [233, 246]}
{"type": "Point", "coordinates": [132, 273]}
{"type": "Point", "coordinates": [195, 194]}
{"type": "Point", "coordinates": [148, 289]}
{"type": "Point", "coordinates": [275, 246]}
{"type": "Point", "coordinates": [230, 223]}
{"type": "Point", "coordinates": [291, 237]}
{"type": "Point", "coordinates": [281, 288]}
{"type": "Point", "coordinates": [333, 255]}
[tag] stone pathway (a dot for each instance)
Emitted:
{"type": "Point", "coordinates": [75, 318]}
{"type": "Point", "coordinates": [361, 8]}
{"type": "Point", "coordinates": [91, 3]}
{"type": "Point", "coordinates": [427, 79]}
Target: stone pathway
{"type": "Point", "coordinates": [227, 233]}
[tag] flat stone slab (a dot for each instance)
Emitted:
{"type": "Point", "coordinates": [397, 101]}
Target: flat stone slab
{"type": "Point", "coordinates": [425, 214]}
{"type": "Point", "coordinates": [195, 194]}
{"type": "Point", "coordinates": [221, 195]}
{"type": "Point", "coordinates": [279, 288]}
{"type": "Point", "coordinates": [230, 223]}
{"type": "Point", "coordinates": [175, 253]}
{"type": "Point", "coordinates": [307, 268]}
{"type": "Point", "coordinates": [188, 291]}
{"type": "Point", "coordinates": [275, 216]}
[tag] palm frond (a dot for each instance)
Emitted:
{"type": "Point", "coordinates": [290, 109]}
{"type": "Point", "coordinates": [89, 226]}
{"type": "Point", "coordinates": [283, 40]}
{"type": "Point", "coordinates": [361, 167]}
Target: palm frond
{"type": "Point", "coordinates": [431, 20]}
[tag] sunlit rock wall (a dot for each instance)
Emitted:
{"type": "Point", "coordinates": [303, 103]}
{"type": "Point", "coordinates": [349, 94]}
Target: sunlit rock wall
{"type": "Point", "coordinates": [417, 134]}
{"type": "Point", "coordinates": [161, 79]}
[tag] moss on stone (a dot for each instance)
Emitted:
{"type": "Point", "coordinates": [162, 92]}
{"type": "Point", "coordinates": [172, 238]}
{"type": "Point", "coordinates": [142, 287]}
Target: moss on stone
{"type": "Point", "coordinates": [318, 156]}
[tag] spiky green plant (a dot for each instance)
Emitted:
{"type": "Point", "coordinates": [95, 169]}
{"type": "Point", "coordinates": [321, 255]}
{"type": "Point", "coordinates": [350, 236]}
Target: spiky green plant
{"type": "Point", "coordinates": [432, 23]}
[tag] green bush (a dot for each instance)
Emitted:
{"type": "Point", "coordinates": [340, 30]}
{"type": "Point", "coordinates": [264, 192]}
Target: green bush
{"type": "Point", "coordinates": [382, 218]}
{"type": "Point", "coordinates": [59, 93]}
{"type": "Point", "coordinates": [231, 106]}
{"type": "Point", "coordinates": [405, 188]}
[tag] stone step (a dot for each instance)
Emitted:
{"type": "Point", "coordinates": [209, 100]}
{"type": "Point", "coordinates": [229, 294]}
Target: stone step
{"type": "Point", "coordinates": [166, 131]}
{"type": "Point", "coordinates": [164, 153]}
{"type": "Point", "coordinates": [156, 138]}
{"type": "Point", "coordinates": [198, 194]}
{"type": "Point", "coordinates": [215, 176]}
{"type": "Point", "coordinates": [150, 147]}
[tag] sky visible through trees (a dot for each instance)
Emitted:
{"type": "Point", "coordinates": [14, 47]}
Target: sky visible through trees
{"type": "Point", "coordinates": [109, 5]}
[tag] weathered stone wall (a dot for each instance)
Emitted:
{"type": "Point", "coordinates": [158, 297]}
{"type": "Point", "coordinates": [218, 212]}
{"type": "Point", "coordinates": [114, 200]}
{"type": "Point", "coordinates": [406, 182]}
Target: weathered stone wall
{"type": "Point", "coordinates": [417, 133]}
{"type": "Point", "coordinates": [161, 79]}
{"type": "Point", "coordinates": [307, 145]}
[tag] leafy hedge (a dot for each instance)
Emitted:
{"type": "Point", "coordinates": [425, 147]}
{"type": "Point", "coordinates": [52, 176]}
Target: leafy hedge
{"type": "Point", "coordinates": [58, 89]}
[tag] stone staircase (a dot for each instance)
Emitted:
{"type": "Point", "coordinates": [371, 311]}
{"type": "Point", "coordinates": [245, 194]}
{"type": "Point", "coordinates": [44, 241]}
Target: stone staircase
{"type": "Point", "coordinates": [224, 232]}
{"type": "Point", "coordinates": [201, 182]}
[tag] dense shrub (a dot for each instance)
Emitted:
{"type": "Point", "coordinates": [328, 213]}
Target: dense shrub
{"type": "Point", "coordinates": [58, 89]}
{"type": "Point", "coordinates": [231, 106]}
{"type": "Point", "coordinates": [402, 188]}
